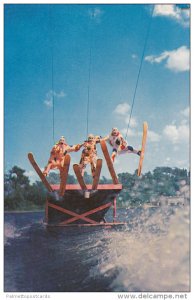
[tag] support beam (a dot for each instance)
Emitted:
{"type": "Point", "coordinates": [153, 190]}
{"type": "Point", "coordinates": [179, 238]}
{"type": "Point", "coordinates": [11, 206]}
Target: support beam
{"type": "Point", "coordinates": [46, 211]}
{"type": "Point", "coordinates": [115, 209]}
{"type": "Point", "coordinates": [90, 212]}
{"type": "Point", "coordinates": [73, 209]}
{"type": "Point", "coordinates": [72, 187]}
{"type": "Point", "coordinates": [69, 212]}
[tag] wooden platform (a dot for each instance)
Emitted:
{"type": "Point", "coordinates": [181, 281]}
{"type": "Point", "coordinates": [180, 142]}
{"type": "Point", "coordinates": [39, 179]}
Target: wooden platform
{"type": "Point", "coordinates": [107, 225]}
{"type": "Point", "coordinates": [71, 187]}
{"type": "Point", "coordinates": [75, 209]}
{"type": "Point", "coordinates": [80, 204]}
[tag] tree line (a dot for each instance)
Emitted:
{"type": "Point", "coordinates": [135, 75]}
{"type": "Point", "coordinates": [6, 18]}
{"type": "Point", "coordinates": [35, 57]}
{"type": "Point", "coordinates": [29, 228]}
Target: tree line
{"type": "Point", "coordinates": [20, 194]}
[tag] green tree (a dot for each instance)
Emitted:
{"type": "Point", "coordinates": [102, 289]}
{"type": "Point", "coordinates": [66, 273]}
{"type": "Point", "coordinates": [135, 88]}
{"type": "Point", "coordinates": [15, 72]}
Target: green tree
{"type": "Point", "coordinates": [53, 178]}
{"type": "Point", "coordinates": [20, 194]}
{"type": "Point", "coordinates": [16, 188]}
{"type": "Point", "coordinates": [88, 178]}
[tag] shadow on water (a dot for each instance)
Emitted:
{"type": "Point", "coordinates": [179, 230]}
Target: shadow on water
{"type": "Point", "coordinates": [140, 256]}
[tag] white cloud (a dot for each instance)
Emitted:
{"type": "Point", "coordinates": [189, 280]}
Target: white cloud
{"type": "Point", "coordinates": [122, 109]}
{"type": "Point", "coordinates": [177, 134]}
{"type": "Point", "coordinates": [122, 112]}
{"type": "Point", "coordinates": [130, 132]}
{"type": "Point", "coordinates": [30, 173]}
{"type": "Point", "coordinates": [169, 10]}
{"type": "Point", "coordinates": [48, 103]}
{"type": "Point", "coordinates": [176, 148]}
{"type": "Point", "coordinates": [181, 163]}
{"type": "Point", "coordinates": [184, 121]}
{"type": "Point", "coordinates": [157, 59]}
{"type": "Point", "coordinates": [185, 112]}
{"type": "Point", "coordinates": [52, 94]}
{"type": "Point", "coordinates": [61, 94]}
{"type": "Point", "coordinates": [32, 176]}
{"type": "Point", "coordinates": [177, 60]}
{"type": "Point", "coordinates": [182, 16]}
{"type": "Point", "coordinates": [133, 121]}
{"type": "Point", "coordinates": [96, 14]}
{"type": "Point", "coordinates": [153, 136]}
{"type": "Point", "coordinates": [134, 56]}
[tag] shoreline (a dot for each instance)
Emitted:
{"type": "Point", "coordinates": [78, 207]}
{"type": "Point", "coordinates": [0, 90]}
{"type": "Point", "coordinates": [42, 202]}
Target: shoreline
{"type": "Point", "coordinates": [22, 211]}
{"type": "Point", "coordinates": [43, 210]}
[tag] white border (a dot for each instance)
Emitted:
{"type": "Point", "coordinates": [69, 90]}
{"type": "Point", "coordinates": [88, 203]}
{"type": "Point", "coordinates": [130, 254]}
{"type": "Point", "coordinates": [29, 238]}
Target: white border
{"type": "Point", "coordinates": [72, 296]}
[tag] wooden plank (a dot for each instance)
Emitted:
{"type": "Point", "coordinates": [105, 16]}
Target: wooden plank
{"type": "Point", "coordinates": [107, 224]}
{"type": "Point", "coordinates": [144, 138]}
{"type": "Point", "coordinates": [46, 211]}
{"type": "Point", "coordinates": [87, 213]}
{"type": "Point", "coordinates": [64, 174]}
{"type": "Point", "coordinates": [72, 187]}
{"type": "Point", "coordinates": [114, 209]}
{"type": "Point", "coordinates": [71, 213]}
{"type": "Point", "coordinates": [97, 174]}
{"type": "Point", "coordinates": [39, 172]}
{"type": "Point", "coordinates": [109, 162]}
{"type": "Point", "coordinates": [79, 177]}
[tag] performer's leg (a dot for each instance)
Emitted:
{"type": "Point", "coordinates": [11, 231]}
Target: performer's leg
{"type": "Point", "coordinates": [93, 169]}
{"type": "Point", "coordinates": [130, 149]}
{"type": "Point", "coordinates": [93, 166]}
{"type": "Point", "coordinates": [82, 165]}
{"type": "Point", "coordinates": [114, 154]}
{"type": "Point", "coordinates": [48, 167]}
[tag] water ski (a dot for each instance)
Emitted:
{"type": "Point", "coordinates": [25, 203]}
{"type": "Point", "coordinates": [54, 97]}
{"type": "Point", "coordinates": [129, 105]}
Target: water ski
{"type": "Point", "coordinates": [64, 174]}
{"type": "Point", "coordinates": [109, 162]}
{"type": "Point", "coordinates": [39, 172]}
{"type": "Point", "coordinates": [144, 137]}
{"type": "Point", "coordinates": [97, 174]}
{"type": "Point", "coordinates": [79, 177]}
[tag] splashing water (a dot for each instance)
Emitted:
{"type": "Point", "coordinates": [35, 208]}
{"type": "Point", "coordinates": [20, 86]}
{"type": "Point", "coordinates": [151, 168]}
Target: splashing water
{"type": "Point", "coordinates": [10, 231]}
{"type": "Point", "coordinates": [153, 256]}
{"type": "Point", "coordinates": [151, 253]}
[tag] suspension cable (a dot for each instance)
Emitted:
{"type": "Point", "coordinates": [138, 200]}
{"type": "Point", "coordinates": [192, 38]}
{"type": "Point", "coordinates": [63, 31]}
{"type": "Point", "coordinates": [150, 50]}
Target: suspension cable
{"type": "Point", "coordinates": [88, 99]}
{"type": "Point", "coordinates": [140, 67]}
{"type": "Point", "coordinates": [89, 78]}
{"type": "Point", "coordinates": [52, 74]}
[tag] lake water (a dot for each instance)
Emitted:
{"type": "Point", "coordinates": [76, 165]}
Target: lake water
{"type": "Point", "coordinates": [150, 253]}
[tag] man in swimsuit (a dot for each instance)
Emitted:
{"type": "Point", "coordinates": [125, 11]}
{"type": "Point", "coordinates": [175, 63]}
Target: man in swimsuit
{"type": "Point", "coordinates": [89, 154]}
{"type": "Point", "coordinates": [119, 144]}
{"type": "Point", "coordinates": [57, 155]}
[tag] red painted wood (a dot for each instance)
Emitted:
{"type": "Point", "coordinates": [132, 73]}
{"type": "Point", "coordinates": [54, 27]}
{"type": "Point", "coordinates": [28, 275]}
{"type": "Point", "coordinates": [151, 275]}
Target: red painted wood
{"type": "Point", "coordinates": [109, 162]}
{"type": "Point", "coordinates": [46, 210]}
{"type": "Point", "coordinates": [88, 225]}
{"type": "Point", "coordinates": [89, 187]}
{"type": "Point", "coordinates": [115, 209]}
{"type": "Point", "coordinates": [39, 172]}
{"type": "Point", "coordinates": [71, 213]}
{"type": "Point", "coordinates": [87, 213]}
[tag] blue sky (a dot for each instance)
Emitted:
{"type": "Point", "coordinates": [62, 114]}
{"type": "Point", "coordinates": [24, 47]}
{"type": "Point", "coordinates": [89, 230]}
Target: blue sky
{"type": "Point", "coordinates": [116, 34]}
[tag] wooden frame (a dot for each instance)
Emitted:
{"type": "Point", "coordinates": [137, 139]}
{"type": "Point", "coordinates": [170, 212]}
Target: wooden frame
{"type": "Point", "coordinates": [70, 187]}
{"type": "Point", "coordinates": [87, 215]}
